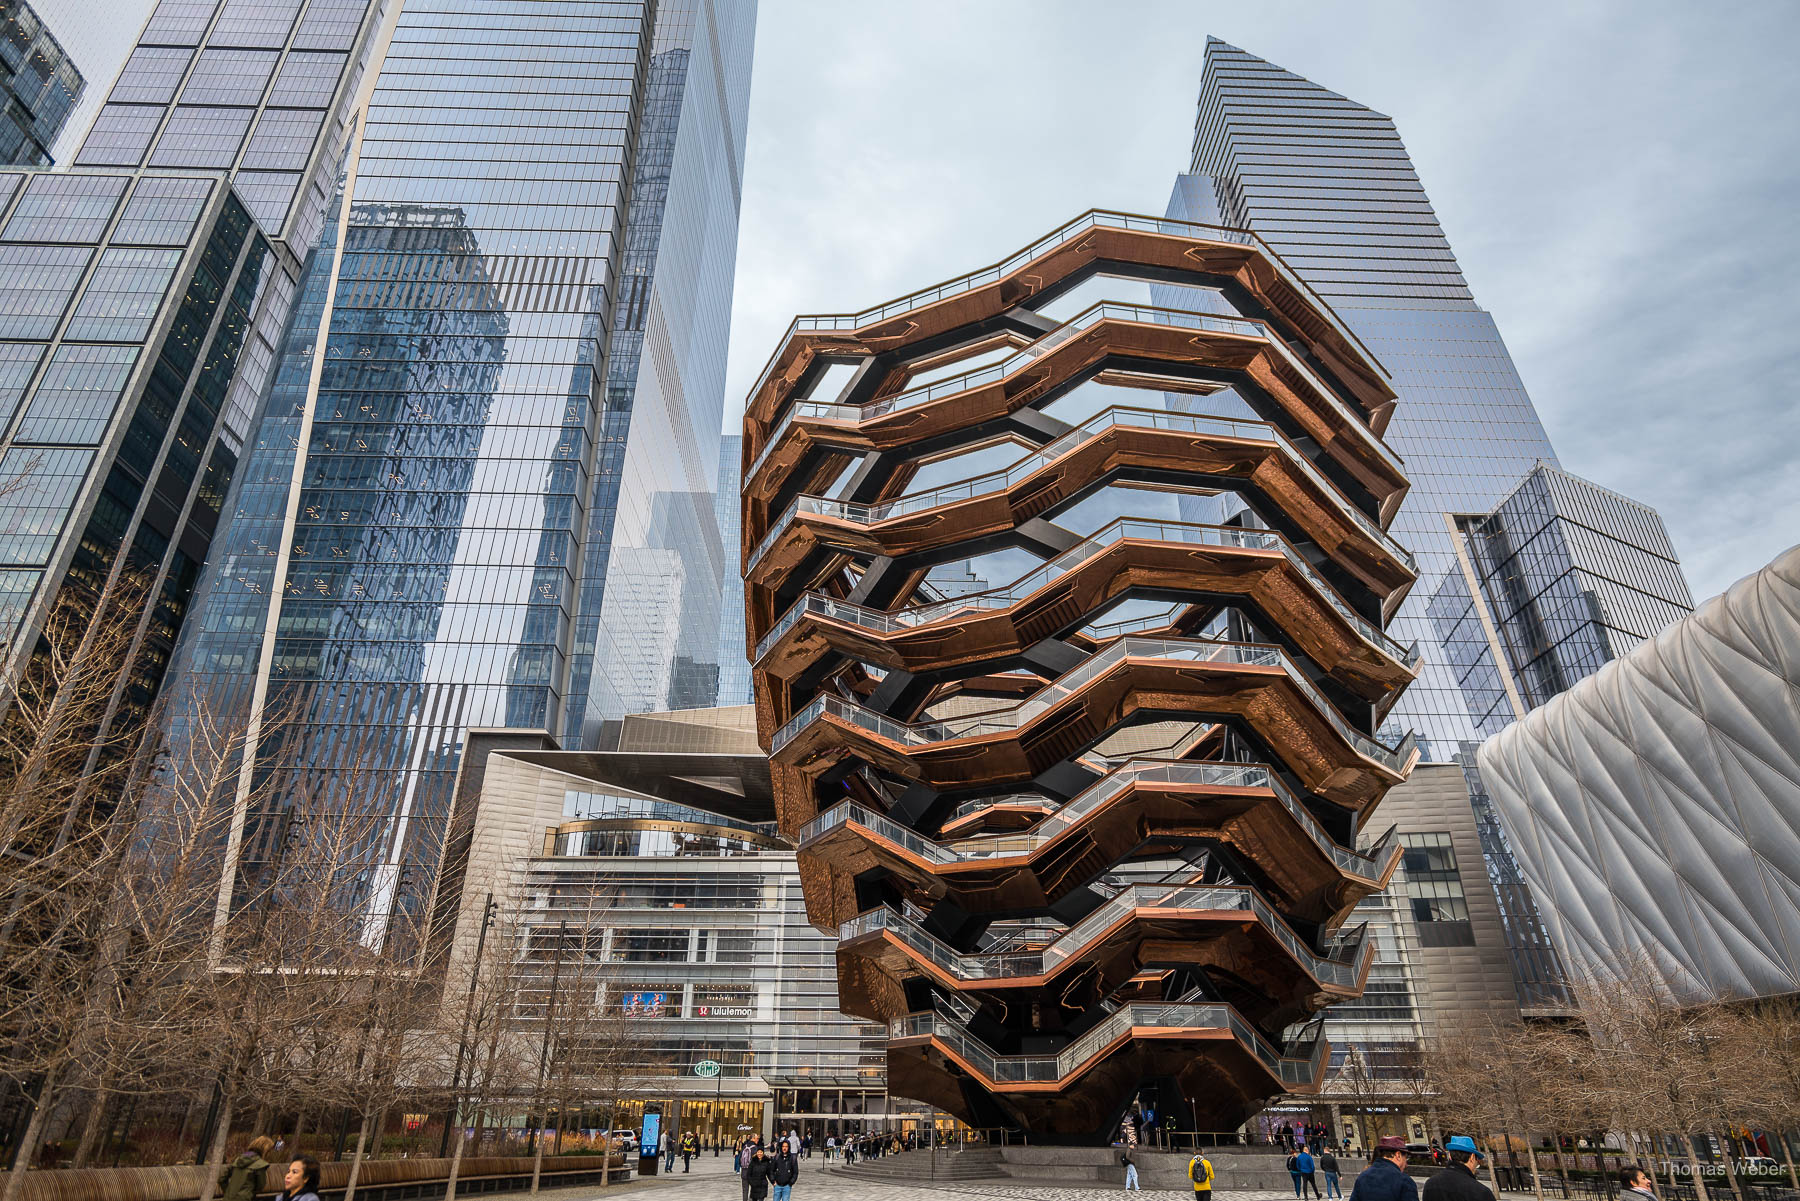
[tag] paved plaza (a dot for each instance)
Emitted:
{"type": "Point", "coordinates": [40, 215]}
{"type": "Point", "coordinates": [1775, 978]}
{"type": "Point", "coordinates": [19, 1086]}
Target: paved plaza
{"type": "Point", "coordinates": [713, 1180]}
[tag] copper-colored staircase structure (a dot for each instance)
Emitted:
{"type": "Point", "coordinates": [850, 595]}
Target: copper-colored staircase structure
{"type": "Point", "coordinates": [1072, 855]}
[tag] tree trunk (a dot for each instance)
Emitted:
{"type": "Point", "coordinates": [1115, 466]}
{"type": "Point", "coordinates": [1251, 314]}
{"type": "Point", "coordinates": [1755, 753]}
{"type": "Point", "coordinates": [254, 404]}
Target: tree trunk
{"type": "Point", "coordinates": [1787, 1157]}
{"type": "Point", "coordinates": [456, 1154]}
{"type": "Point", "coordinates": [299, 1129]}
{"type": "Point", "coordinates": [34, 1129]}
{"type": "Point", "coordinates": [90, 1130]}
{"type": "Point", "coordinates": [262, 1121]}
{"type": "Point", "coordinates": [1731, 1176]}
{"type": "Point", "coordinates": [356, 1161]}
{"type": "Point", "coordinates": [537, 1158]}
{"type": "Point", "coordinates": [1537, 1181]}
{"type": "Point", "coordinates": [215, 1155]}
{"type": "Point", "coordinates": [1693, 1158]}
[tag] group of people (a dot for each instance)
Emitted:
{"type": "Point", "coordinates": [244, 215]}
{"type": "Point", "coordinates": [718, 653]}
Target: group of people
{"type": "Point", "coordinates": [761, 1168]}
{"type": "Point", "coordinates": [1306, 1167]}
{"type": "Point", "coordinates": [868, 1146]}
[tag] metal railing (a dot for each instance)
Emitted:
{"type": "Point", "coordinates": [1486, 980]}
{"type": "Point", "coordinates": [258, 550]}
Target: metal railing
{"type": "Point", "coordinates": [1094, 427]}
{"type": "Point", "coordinates": [1146, 529]}
{"type": "Point", "coordinates": [1104, 310]}
{"type": "Point", "coordinates": [1393, 759]}
{"type": "Point", "coordinates": [1080, 938]}
{"type": "Point", "coordinates": [1371, 866]}
{"type": "Point", "coordinates": [1020, 1069]}
{"type": "Point", "coordinates": [1092, 219]}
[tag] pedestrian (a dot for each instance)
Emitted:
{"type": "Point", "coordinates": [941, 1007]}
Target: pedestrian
{"type": "Point", "coordinates": [1457, 1182]}
{"type": "Point", "coordinates": [785, 1172]}
{"type": "Point", "coordinates": [1293, 1171]}
{"type": "Point", "coordinates": [1200, 1171]}
{"type": "Point", "coordinates": [1637, 1182]}
{"type": "Point", "coordinates": [1385, 1178]}
{"type": "Point", "coordinates": [849, 1152]}
{"type": "Point", "coordinates": [302, 1180]}
{"type": "Point", "coordinates": [1328, 1164]}
{"type": "Point", "coordinates": [831, 1146]}
{"type": "Point", "coordinates": [242, 1178]}
{"type": "Point", "coordinates": [690, 1147]}
{"type": "Point", "coordinates": [1307, 1167]}
{"type": "Point", "coordinates": [757, 1174]}
{"type": "Point", "coordinates": [1131, 1175]}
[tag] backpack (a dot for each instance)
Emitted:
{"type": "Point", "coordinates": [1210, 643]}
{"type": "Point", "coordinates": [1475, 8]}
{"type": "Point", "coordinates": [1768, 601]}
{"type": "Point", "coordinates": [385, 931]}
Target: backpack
{"type": "Point", "coordinates": [1204, 1179]}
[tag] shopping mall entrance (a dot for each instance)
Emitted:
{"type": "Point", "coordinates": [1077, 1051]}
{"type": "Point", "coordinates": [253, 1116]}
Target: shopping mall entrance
{"type": "Point", "coordinates": [715, 1121]}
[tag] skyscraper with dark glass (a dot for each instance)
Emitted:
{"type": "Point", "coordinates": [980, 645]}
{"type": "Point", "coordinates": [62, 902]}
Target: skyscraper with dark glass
{"type": "Point", "coordinates": [481, 493]}
{"type": "Point", "coordinates": [1327, 182]}
{"type": "Point", "coordinates": [40, 82]}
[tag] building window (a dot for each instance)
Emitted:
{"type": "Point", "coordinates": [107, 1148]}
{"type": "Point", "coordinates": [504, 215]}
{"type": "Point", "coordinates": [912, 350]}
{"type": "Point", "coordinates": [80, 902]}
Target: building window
{"type": "Point", "coordinates": [1433, 883]}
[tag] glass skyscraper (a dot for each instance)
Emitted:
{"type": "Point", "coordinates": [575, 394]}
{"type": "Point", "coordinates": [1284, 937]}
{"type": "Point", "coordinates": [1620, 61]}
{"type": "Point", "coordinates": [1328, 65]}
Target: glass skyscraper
{"type": "Point", "coordinates": [481, 491]}
{"type": "Point", "coordinates": [1561, 578]}
{"type": "Point", "coordinates": [40, 82]}
{"type": "Point", "coordinates": [1327, 182]}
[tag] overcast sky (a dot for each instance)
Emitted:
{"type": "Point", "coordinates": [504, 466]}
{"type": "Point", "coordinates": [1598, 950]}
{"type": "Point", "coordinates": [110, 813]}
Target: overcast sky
{"type": "Point", "coordinates": [1620, 181]}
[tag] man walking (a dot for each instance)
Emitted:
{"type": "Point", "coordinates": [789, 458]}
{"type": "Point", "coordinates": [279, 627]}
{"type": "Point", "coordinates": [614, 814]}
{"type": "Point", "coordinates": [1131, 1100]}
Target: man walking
{"type": "Point", "coordinates": [1385, 1179]}
{"type": "Point", "coordinates": [786, 1171]}
{"type": "Point", "coordinates": [1457, 1181]}
{"type": "Point", "coordinates": [1305, 1167]}
{"type": "Point", "coordinates": [1328, 1164]}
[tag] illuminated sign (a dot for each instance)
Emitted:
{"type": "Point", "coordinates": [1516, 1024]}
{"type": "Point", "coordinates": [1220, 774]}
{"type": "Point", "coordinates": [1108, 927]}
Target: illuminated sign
{"type": "Point", "coordinates": [724, 1011]}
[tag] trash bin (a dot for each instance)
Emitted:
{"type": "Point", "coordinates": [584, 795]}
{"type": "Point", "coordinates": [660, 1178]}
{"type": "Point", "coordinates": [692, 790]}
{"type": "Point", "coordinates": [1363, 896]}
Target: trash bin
{"type": "Point", "coordinates": [647, 1164]}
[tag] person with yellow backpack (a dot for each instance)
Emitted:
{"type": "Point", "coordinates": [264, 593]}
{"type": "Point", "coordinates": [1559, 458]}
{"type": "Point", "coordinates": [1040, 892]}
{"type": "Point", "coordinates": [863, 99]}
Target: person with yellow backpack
{"type": "Point", "coordinates": [1200, 1171]}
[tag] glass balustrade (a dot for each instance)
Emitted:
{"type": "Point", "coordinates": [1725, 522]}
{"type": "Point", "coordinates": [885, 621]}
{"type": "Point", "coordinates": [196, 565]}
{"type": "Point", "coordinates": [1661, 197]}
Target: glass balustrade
{"type": "Point", "coordinates": [1020, 1069]}
{"type": "Point", "coordinates": [1094, 427]}
{"type": "Point", "coordinates": [1094, 219]}
{"type": "Point", "coordinates": [1081, 938]}
{"type": "Point", "coordinates": [1138, 528]}
{"type": "Point", "coordinates": [1393, 759]}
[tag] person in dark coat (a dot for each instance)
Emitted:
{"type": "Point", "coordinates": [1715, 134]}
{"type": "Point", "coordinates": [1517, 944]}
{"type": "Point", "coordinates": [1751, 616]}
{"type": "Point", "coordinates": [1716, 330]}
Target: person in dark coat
{"type": "Point", "coordinates": [785, 1171]}
{"type": "Point", "coordinates": [758, 1172]}
{"type": "Point", "coordinates": [1386, 1178]}
{"type": "Point", "coordinates": [1457, 1182]}
{"type": "Point", "coordinates": [1328, 1164]}
{"type": "Point", "coordinates": [243, 1176]}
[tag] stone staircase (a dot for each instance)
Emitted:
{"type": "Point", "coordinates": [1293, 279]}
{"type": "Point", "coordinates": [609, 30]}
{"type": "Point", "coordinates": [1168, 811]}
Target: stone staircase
{"type": "Point", "coordinates": [911, 1167]}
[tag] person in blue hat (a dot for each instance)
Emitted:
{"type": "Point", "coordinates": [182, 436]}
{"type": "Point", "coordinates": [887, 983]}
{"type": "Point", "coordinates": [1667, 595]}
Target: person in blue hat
{"type": "Point", "coordinates": [1457, 1182]}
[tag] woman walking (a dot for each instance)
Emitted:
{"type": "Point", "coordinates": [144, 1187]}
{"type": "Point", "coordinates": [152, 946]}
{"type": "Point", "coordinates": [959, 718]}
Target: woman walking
{"type": "Point", "coordinates": [757, 1173]}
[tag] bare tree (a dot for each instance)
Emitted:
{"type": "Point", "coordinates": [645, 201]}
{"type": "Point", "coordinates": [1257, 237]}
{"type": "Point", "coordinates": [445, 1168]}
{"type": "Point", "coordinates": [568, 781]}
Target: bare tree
{"type": "Point", "coordinates": [1489, 1078]}
{"type": "Point", "coordinates": [1655, 1052]}
{"type": "Point", "coordinates": [1768, 1034]}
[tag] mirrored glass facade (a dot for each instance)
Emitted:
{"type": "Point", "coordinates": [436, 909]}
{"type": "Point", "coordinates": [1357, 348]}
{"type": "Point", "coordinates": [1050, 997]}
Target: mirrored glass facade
{"type": "Point", "coordinates": [1327, 182]}
{"type": "Point", "coordinates": [499, 393]}
{"type": "Point", "coordinates": [40, 82]}
{"type": "Point", "coordinates": [126, 301]}
{"type": "Point", "coordinates": [1561, 578]}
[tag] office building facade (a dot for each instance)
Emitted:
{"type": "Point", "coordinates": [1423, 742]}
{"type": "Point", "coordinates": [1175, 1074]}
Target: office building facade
{"type": "Point", "coordinates": [660, 856]}
{"type": "Point", "coordinates": [1561, 578]}
{"type": "Point", "coordinates": [497, 398]}
{"type": "Point", "coordinates": [1179, 716]}
{"type": "Point", "coordinates": [1654, 803]}
{"type": "Point", "coordinates": [1328, 184]}
{"type": "Point", "coordinates": [41, 83]}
